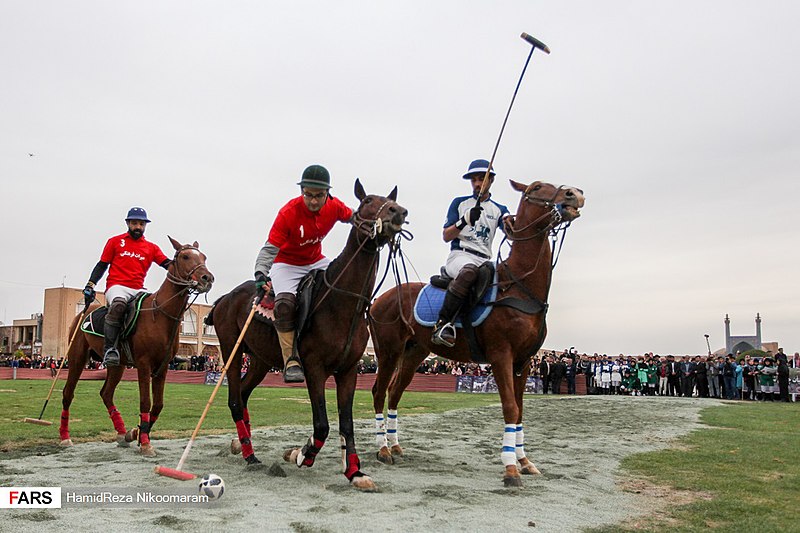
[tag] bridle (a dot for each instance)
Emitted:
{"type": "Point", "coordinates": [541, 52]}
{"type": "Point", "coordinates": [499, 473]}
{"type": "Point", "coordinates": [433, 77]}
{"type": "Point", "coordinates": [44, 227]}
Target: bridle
{"type": "Point", "coordinates": [554, 213]}
{"type": "Point", "coordinates": [185, 280]}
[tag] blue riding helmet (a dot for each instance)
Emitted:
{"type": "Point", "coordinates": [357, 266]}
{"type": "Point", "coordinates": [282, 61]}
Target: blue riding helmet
{"type": "Point", "coordinates": [137, 213]}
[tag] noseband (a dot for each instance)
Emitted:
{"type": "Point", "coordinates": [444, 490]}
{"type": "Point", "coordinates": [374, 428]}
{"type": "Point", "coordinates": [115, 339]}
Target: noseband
{"type": "Point", "coordinates": [371, 228]}
{"type": "Point", "coordinates": [554, 213]}
{"type": "Point", "coordinates": [184, 280]}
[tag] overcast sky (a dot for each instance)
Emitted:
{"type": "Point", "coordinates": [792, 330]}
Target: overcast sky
{"type": "Point", "coordinates": [680, 121]}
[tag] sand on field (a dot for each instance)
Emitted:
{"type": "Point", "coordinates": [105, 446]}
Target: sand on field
{"type": "Point", "coordinates": [450, 478]}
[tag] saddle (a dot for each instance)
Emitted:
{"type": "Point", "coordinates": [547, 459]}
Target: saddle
{"type": "Point", "coordinates": [306, 293]}
{"type": "Point", "coordinates": [94, 323]}
{"type": "Point", "coordinates": [478, 289]}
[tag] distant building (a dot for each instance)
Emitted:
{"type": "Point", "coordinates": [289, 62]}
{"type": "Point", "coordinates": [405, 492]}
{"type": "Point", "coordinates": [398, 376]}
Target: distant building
{"type": "Point", "coordinates": [743, 343]}
{"type": "Point", "coordinates": [24, 334]}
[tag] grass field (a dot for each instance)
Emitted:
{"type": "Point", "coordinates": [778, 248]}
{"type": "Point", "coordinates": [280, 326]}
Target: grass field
{"type": "Point", "coordinates": [183, 405]}
{"type": "Point", "coordinates": [741, 473]}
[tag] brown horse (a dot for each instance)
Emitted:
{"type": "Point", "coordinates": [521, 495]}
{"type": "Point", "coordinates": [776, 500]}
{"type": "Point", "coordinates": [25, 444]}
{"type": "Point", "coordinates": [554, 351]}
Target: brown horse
{"type": "Point", "coordinates": [508, 336]}
{"type": "Point", "coordinates": [334, 338]}
{"type": "Point", "coordinates": [153, 345]}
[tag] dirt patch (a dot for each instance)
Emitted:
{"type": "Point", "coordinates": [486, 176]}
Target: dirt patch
{"type": "Point", "coordinates": [449, 479]}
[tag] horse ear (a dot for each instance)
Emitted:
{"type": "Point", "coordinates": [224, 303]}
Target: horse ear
{"type": "Point", "coordinates": [518, 186]}
{"type": "Point", "coordinates": [359, 190]}
{"type": "Point", "coordinates": [195, 244]}
{"type": "Point", "coordinates": [393, 195]}
{"type": "Point", "coordinates": [175, 244]}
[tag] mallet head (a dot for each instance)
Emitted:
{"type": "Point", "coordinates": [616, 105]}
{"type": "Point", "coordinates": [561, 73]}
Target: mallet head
{"type": "Point", "coordinates": [536, 43]}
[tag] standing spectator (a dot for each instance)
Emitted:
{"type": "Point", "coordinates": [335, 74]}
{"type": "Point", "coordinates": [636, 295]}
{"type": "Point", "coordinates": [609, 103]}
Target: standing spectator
{"type": "Point", "coordinates": [766, 377]}
{"type": "Point", "coordinates": [673, 376]}
{"type": "Point", "coordinates": [729, 377]}
{"type": "Point", "coordinates": [544, 373]}
{"type": "Point", "coordinates": [558, 371]}
{"type": "Point", "coordinates": [712, 376]}
{"type": "Point", "coordinates": [687, 376]}
{"type": "Point", "coordinates": [748, 380]}
{"type": "Point", "coordinates": [783, 375]}
{"type": "Point", "coordinates": [739, 380]}
{"type": "Point", "coordinates": [701, 377]}
{"type": "Point", "coordinates": [572, 371]}
{"type": "Point", "coordinates": [663, 378]}
{"type": "Point", "coordinates": [616, 375]}
{"type": "Point", "coordinates": [605, 375]}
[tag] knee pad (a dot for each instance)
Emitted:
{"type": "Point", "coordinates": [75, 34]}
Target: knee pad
{"type": "Point", "coordinates": [466, 278]}
{"type": "Point", "coordinates": [285, 307]}
{"type": "Point", "coordinates": [116, 310]}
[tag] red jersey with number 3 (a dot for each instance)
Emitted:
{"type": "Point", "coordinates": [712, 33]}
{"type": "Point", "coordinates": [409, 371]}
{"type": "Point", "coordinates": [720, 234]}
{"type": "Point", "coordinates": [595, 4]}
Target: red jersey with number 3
{"type": "Point", "coordinates": [130, 259]}
{"type": "Point", "coordinates": [298, 232]}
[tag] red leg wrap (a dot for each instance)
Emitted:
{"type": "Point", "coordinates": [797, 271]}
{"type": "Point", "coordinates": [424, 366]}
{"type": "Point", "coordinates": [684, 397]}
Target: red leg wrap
{"type": "Point", "coordinates": [310, 451]}
{"type": "Point", "coordinates": [353, 466]}
{"type": "Point", "coordinates": [63, 430]}
{"type": "Point", "coordinates": [144, 429]}
{"type": "Point", "coordinates": [246, 419]}
{"type": "Point", "coordinates": [244, 438]}
{"type": "Point", "coordinates": [116, 418]}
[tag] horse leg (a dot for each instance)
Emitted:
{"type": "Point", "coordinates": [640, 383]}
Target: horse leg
{"type": "Point", "coordinates": [113, 377]}
{"type": "Point", "coordinates": [386, 369]}
{"type": "Point", "coordinates": [77, 356]}
{"type": "Point", "coordinates": [145, 448]}
{"type": "Point", "coordinates": [158, 384]}
{"type": "Point", "coordinates": [238, 406]}
{"type": "Point", "coordinates": [345, 389]}
{"type": "Point", "coordinates": [511, 415]}
{"type": "Point", "coordinates": [305, 456]}
{"type": "Point", "coordinates": [410, 361]}
{"type": "Point", "coordinates": [526, 466]}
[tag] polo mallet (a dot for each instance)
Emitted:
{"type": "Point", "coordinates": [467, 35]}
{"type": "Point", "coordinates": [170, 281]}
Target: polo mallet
{"type": "Point", "coordinates": [39, 420]}
{"type": "Point", "coordinates": [535, 43]}
{"type": "Point", "coordinates": [708, 344]}
{"type": "Point", "coordinates": [176, 472]}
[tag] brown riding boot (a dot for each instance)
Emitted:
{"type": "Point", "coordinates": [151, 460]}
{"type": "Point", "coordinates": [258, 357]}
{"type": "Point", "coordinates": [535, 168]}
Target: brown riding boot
{"type": "Point", "coordinates": [292, 369]}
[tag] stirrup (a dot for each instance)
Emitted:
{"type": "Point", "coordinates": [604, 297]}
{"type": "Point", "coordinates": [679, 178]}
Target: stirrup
{"type": "Point", "coordinates": [111, 357]}
{"type": "Point", "coordinates": [444, 334]}
{"type": "Point", "coordinates": [293, 373]}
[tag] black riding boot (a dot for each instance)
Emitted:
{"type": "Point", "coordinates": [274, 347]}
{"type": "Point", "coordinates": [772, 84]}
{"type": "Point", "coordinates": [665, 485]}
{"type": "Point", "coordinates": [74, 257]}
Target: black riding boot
{"type": "Point", "coordinates": [111, 330]}
{"type": "Point", "coordinates": [444, 332]}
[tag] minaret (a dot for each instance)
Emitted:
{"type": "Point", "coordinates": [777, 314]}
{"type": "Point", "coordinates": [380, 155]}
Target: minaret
{"type": "Point", "coordinates": [758, 330]}
{"type": "Point", "coordinates": [727, 334]}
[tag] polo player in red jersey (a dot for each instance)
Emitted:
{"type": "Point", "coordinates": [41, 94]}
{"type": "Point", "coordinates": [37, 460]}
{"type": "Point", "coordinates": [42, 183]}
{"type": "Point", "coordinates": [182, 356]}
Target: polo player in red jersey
{"type": "Point", "coordinates": [293, 249]}
{"type": "Point", "coordinates": [129, 255]}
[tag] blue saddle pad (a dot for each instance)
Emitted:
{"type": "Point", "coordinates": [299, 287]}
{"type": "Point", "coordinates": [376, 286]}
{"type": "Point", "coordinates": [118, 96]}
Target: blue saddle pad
{"type": "Point", "coordinates": [430, 300]}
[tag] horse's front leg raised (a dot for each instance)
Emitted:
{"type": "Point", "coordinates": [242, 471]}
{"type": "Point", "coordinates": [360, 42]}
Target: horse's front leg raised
{"type": "Point", "coordinates": [525, 465]}
{"type": "Point", "coordinates": [502, 371]}
{"type": "Point", "coordinates": [145, 448]}
{"type": "Point", "coordinates": [305, 456]}
{"type": "Point", "coordinates": [345, 389]}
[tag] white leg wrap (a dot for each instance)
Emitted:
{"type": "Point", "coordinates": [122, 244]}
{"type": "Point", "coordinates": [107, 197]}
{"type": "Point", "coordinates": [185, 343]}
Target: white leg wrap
{"type": "Point", "coordinates": [380, 431]}
{"type": "Point", "coordinates": [508, 455]}
{"type": "Point", "coordinates": [520, 448]}
{"type": "Point", "coordinates": [391, 427]}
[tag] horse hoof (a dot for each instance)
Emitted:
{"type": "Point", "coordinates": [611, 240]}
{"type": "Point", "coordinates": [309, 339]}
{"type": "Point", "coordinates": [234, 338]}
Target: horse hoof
{"type": "Point", "coordinates": [364, 484]}
{"type": "Point", "coordinates": [147, 450]}
{"type": "Point", "coordinates": [512, 481]}
{"type": "Point", "coordinates": [132, 435]}
{"type": "Point", "coordinates": [252, 460]}
{"type": "Point", "coordinates": [122, 440]}
{"type": "Point", "coordinates": [290, 455]}
{"type": "Point", "coordinates": [385, 456]}
{"type": "Point", "coordinates": [66, 443]}
{"type": "Point", "coordinates": [397, 450]}
{"type": "Point", "coordinates": [236, 447]}
{"type": "Point", "coordinates": [529, 470]}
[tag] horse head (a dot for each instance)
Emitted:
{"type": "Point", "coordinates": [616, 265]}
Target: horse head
{"type": "Point", "coordinates": [378, 217]}
{"type": "Point", "coordinates": [544, 206]}
{"type": "Point", "coordinates": [188, 267]}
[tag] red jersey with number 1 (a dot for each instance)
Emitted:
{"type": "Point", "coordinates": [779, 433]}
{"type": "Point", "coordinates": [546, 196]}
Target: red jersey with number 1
{"type": "Point", "coordinates": [130, 259]}
{"type": "Point", "coordinates": [298, 232]}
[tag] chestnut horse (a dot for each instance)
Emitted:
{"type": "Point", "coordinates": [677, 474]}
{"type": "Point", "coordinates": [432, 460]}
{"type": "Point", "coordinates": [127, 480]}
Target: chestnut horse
{"type": "Point", "coordinates": [333, 340]}
{"type": "Point", "coordinates": [153, 345]}
{"type": "Point", "coordinates": [508, 336]}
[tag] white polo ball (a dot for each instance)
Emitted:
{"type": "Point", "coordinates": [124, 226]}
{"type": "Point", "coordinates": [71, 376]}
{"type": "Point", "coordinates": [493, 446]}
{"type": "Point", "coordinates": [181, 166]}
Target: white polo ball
{"type": "Point", "coordinates": [212, 486]}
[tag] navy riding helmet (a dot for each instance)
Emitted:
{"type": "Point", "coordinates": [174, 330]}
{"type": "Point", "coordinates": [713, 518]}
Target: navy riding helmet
{"type": "Point", "coordinates": [137, 213]}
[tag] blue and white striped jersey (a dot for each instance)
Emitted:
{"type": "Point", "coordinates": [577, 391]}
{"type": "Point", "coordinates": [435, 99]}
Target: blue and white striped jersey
{"type": "Point", "coordinates": [479, 237]}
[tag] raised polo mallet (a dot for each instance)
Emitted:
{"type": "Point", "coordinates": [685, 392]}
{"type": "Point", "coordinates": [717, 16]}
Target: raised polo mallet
{"type": "Point", "coordinates": [177, 473]}
{"type": "Point", "coordinates": [39, 420]}
{"type": "Point", "coordinates": [708, 343]}
{"type": "Point", "coordinates": [535, 43]}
